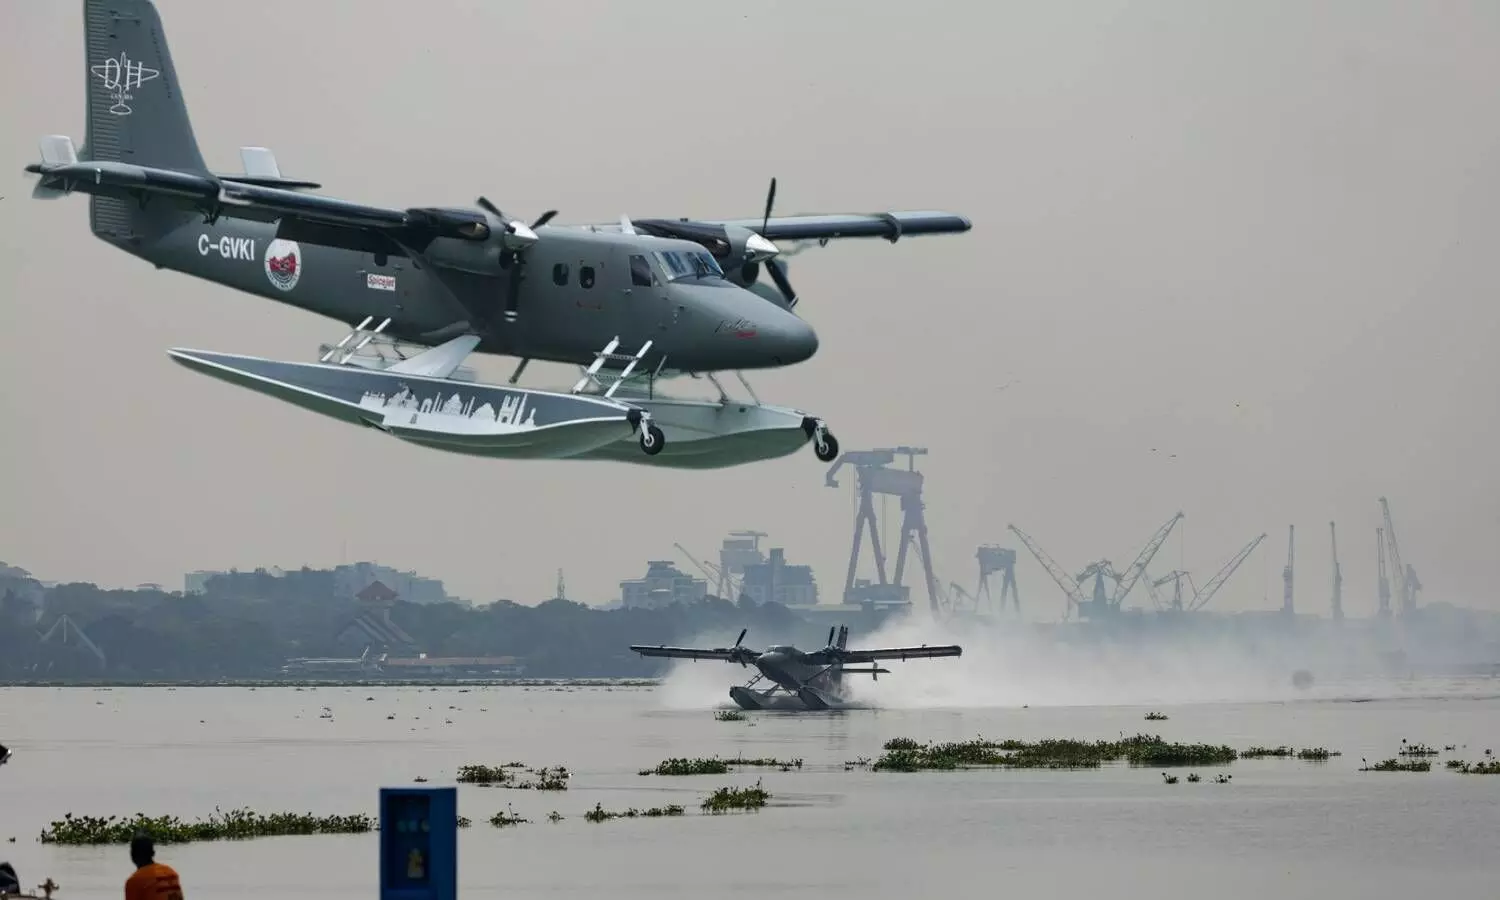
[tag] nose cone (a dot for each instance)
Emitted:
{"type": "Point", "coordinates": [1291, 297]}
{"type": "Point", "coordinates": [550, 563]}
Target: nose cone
{"type": "Point", "coordinates": [790, 340]}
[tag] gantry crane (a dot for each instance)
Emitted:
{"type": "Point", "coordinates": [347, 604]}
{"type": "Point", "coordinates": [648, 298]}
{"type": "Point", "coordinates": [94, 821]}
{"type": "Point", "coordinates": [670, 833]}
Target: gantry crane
{"type": "Point", "coordinates": [993, 560]}
{"type": "Point", "coordinates": [1338, 576]}
{"type": "Point", "coordinates": [874, 477]}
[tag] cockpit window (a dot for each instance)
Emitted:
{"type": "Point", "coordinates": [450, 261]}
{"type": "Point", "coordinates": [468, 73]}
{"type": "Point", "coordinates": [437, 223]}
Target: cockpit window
{"type": "Point", "coordinates": [679, 264]}
{"type": "Point", "coordinates": [640, 272]}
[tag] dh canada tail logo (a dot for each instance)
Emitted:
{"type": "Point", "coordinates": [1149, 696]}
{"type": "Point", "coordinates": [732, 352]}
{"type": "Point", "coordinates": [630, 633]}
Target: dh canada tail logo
{"type": "Point", "coordinates": [121, 77]}
{"type": "Point", "coordinates": [283, 264]}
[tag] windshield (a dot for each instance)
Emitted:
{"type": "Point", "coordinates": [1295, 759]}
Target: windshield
{"type": "Point", "coordinates": [680, 264]}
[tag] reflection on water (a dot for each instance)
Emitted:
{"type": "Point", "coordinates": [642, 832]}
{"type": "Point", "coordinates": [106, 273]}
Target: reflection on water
{"type": "Point", "coordinates": [1284, 828]}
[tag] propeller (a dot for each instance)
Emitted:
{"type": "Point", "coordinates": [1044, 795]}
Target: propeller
{"type": "Point", "coordinates": [516, 238]}
{"type": "Point", "coordinates": [740, 654]}
{"type": "Point", "coordinates": [775, 266]}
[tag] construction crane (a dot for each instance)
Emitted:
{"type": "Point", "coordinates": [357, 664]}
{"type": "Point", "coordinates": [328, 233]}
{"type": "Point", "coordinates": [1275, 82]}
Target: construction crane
{"type": "Point", "coordinates": [1407, 584]}
{"type": "Point", "coordinates": [1068, 584]}
{"type": "Point", "coordinates": [1287, 608]}
{"type": "Point", "coordinates": [875, 477]}
{"type": "Point", "coordinates": [1385, 581]}
{"type": "Point", "coordinates": [1103, 602]}
{"type": "Point", "coordinates": [1124, 583]}
{"type": "Point", "coordinates": [1338, 576]}
{"type": "Point", "coordinates": [715, 575]}
{"type": "Point", "coordinates": [1202, 595]}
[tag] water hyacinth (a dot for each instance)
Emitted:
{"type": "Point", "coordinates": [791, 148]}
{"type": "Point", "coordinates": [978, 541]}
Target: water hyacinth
{"type": "Point", "coordinates": [906, 755]}
{"type": "Point", "coordinates": [236, 824]}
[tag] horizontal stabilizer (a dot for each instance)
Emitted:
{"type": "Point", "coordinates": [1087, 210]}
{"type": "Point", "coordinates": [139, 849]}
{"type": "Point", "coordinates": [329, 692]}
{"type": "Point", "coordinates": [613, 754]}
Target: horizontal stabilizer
{"type": "Point", "coordinates": [262, 170]}
{"type": "Point", "coordinates": [260, 162]}
{"type": "Point", "coordinates": [58, 150]}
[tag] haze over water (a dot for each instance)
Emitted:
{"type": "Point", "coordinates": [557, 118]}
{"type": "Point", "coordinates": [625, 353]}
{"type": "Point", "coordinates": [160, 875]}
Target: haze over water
{"type": "Point", "coordinates": [1283, 828]}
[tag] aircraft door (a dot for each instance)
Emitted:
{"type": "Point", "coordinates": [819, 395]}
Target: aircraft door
{"type": "Point", "coordinates": [645, 295]}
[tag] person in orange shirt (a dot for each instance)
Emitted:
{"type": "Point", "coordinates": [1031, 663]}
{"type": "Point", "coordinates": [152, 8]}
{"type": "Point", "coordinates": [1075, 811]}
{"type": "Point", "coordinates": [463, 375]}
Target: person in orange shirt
{"type": "Point", "coordinates": [151, 880]}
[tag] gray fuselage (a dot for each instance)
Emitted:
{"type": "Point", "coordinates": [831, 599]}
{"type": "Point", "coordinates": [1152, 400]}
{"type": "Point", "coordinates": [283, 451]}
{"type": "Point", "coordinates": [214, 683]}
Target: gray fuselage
{"type": "Point", "coordinates": [580, 289]}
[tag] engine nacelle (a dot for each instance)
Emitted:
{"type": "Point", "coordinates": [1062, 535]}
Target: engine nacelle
{"type": "Point", "coordinates": [480, 248]}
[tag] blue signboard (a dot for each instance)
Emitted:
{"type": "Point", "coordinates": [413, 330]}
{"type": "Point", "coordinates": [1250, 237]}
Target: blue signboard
{"type": "Point", "coordinates": [419, 843]}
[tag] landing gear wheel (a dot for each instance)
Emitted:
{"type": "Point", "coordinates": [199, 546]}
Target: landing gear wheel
{"type": "Point", "coordinates": [826, 446]}
{"type": "Point", "coordinates": [652, 440]}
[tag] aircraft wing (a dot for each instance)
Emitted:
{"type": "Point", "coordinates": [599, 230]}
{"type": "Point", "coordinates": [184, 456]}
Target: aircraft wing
{"type": "Point", "coordinates": [824, 227]}
{"type": "Point", "coordinates": [313, 218]}
{"type": "Point", "coordinates": [725, 654]}
{"type": "Point", "coordinates": [902, 653]}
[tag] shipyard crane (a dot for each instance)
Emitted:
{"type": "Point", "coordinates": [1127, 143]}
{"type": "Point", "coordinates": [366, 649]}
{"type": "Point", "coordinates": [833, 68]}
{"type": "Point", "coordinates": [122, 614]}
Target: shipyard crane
{"type": "Point", "coordinates": [1124, 582]}
{"type": "Point", "coordinates": [1103, 603]}
{"type": "Point", "coordinates": [1202, 595]}
{"type": "Point", "coordinates": [993, 560]}
{"type": "Point", "coordinates": [1407, 584]}
{"type": "Point", "coordinates": [1056, 572]}
{"type": "Point", "coordinates": [715, 574]}
{"type": "Point", "coordinates": [1385, 581]}
{"type": "Point", "coordinates": [876, 477]}
{"type": "Point", "coordinates": [997, 560]}
{"type": "Point", "coordinates": [1338, 576]}
{"type": "Point", "coordinates": [1286, 573]}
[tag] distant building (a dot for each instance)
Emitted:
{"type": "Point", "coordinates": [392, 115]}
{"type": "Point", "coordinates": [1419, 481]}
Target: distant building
{"type": "Point", "coordinates": [663, 585]}
{"type": "Point", "coordinates": [372, 625]}
{"type": "Point", "coordinates": [773, 581]}
{"type": "Point", "coordinates": [348, 581]}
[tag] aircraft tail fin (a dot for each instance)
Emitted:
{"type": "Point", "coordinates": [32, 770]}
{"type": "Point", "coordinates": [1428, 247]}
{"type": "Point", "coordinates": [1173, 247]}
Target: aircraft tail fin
{"type": "Point", "coordinates": [136, 111]}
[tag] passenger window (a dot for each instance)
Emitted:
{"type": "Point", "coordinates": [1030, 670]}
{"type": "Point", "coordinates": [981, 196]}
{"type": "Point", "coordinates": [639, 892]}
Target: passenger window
{"type": "Point", "coordinates": [560, 274]}
{"type": "Point", "coordinates": [586, 276]}
{"type": "Point", "coordinates": [640, 272]}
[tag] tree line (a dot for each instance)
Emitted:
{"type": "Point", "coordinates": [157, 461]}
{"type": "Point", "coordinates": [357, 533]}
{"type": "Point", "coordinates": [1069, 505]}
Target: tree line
{"type": "Point", "coordinates": [250, 631]}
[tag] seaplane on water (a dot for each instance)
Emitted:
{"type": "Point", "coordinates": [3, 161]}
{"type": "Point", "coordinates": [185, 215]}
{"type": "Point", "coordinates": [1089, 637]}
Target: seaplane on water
{"type": "Point", "coordinates": [800, 680]}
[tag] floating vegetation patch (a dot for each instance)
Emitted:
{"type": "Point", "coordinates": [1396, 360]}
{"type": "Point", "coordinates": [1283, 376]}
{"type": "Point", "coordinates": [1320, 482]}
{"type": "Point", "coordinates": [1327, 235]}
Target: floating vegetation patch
{"type": "Point", "coordinates": [236, 824]}
{"type": "Point", "coordinates": [729, 715]}
{"type": "Point", "coordinates": [465, 821]}
{"type": "Point", "coordinates": [1285, 752]}
{"type": "Point", "coordinates": [600, 814]}
{"type": "Point", "coordinates": [1456, 764]}
{"type": "Point", "coordinates": [1480, 768]}
{"type": "Point", "coordinates": [1397, 765]}
{"type": "Point", "coordinates": [544, 779]}
{"type": "Point", "coordinates": [1415, 749]}
{"type": "Point", "coordinates": [718, 766]}
{"type": "Point", "coordinates": [906, 755]}
{"type": "Point", "coordinates": [485, 775]}
{"type": "Point", "coordinates": [1169, 779]}
{"type": "Point", "coordinates": [726, 799]}
{"type": "Point", "coordinates": [1156, 717]}
{"type": "Point", "coordinates": [506, 817]}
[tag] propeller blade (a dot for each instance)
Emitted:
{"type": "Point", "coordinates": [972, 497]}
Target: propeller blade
{"type": "Point", "coordinates": [830, 635]}
{"type": "Point", "coordinates": [741, 638]}
{"type": "Point", "coordinates": [544, 218]}
{"type": "Point", "coordinates": [777, 268]}
{"type": "Point", "coordinates": [770, 201]}
{"type": "Point", "coordinates": [487, 206]}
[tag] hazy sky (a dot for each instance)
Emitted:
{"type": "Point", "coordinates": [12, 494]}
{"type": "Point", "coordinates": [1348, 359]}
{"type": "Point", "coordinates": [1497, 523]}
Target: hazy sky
{"type": "Point", "coordinates": [1264, 237]}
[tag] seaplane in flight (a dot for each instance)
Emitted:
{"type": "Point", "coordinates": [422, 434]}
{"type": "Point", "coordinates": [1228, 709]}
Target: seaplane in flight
{"type": "Point", "coordinates": [797, 679]}
{"type": "Point", "coordinates": [630, 302]}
